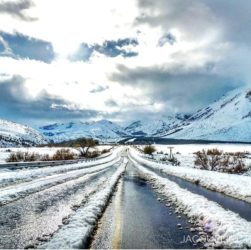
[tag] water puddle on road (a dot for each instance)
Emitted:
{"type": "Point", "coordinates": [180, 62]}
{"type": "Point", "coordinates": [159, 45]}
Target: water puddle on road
{"type": "Point", "coordinates": [136, 219]}
{"type": "Point", "coordinates": [237, 206]}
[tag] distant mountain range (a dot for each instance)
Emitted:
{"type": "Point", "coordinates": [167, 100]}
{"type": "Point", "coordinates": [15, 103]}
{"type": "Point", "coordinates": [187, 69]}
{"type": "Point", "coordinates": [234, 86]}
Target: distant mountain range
{"type": "Point", "coordinates": [228, 119]}
{"type": "Point", "coordinates": [103, 130]}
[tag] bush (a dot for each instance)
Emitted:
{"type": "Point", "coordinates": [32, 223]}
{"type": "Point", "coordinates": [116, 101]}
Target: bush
{"type": "Point", "coordinates": [45, 157]}
{"type": "Point", "coordinates": [22, 156]}
{"type": "Point", "coordinates": [93, 154]}
{"type": "Point", "coordinates": [149, 149]}
{"type": "Point", "coordinates": [104, 151]}
{"type": "Point", "coordinates": [174, 161]}
{"type": "Point", "coordinates": [63, 154]}
{"type": "Point", "coordinates": [217, 160]}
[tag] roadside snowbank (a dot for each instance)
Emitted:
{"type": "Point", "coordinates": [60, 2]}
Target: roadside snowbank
{"type": "Point", "coordinates": [237, 186]}
{"type": "Point", "coordinates": [185, 152]}
{"type": "Point", "coordinates": [16, 176]}
{"type": "Point", "coordinates": [76, 233]}
{"type": "Point", "coordinates": [18, 191]}
{"type": "Point", "coordinates": [227, 228]}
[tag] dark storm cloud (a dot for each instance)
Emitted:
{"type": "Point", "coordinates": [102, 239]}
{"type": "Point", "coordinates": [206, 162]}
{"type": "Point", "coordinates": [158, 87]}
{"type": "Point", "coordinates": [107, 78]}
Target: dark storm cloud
{"type": "Point", "coordinates": [197, 18]}
{"type": "Point", "coordinates": [185, 91]}
{"type": "Point", "coordinates": [15, 104]}
{"type": "Point", "coordinates": [191, 17]}
{"type": "Point", "coordinates": [21, 46]}
{"type": "Point", "coordinates": [16, 9]}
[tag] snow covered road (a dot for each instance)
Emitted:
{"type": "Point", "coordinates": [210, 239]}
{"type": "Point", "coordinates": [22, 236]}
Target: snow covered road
{"type": "Point", "coordinates": [63, 206]}
{"type": "Point", "coordinates": [34, 207]}
{"type": "Point", "coordinates": [227, 229]}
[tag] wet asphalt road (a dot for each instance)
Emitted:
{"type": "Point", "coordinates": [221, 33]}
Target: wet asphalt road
{"type": "Point", "coordinates": [136, 219]}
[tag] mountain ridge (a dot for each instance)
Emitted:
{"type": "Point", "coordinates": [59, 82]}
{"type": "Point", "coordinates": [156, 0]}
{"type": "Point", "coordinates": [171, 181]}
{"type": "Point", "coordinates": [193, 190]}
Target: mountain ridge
{"type": "Point", "coordinates": [227, 119]}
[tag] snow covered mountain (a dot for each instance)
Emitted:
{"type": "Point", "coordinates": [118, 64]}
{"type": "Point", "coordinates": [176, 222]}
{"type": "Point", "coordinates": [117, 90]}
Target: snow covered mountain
{"type": "Point", "coordinates": [102, 130]}
{"type": "Point", "coordinates": [14, 134]}
{"type": "Point", "coordinates": [228, 119]}
{"type": "Point", "coordinates": [150, 127]}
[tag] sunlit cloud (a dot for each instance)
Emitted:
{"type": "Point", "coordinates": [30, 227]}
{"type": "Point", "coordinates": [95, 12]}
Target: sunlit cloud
{"type": "Point", "coordinates": [123, 60]}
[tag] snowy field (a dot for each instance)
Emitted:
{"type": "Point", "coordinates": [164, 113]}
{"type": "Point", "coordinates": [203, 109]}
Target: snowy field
{"type": "Point", "coordinates": [185, 153]}
{"type": "Point", "coordinates": [235, 185]}
{"type": "Point", "coordinates": [5, 152]}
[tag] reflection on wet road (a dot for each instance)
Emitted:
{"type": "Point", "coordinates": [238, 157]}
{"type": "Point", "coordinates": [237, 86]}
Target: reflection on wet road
{"type": "Point", "coordinates": [142, 221]}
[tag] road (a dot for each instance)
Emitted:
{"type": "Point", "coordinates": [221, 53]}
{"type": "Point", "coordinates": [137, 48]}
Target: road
{"type": "Point", "coordinates": [135, 219]}
{"type": "Point", "coordinates": [35, 204]}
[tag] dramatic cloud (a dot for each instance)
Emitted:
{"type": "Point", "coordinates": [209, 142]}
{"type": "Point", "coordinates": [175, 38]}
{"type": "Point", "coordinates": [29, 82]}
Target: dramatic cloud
{"type": "Point", "coordinates": [17, 9]}
{"type": "Point", "coordinates": [17, 105]}
{"type": "Point", "coordinates": [120, 60]}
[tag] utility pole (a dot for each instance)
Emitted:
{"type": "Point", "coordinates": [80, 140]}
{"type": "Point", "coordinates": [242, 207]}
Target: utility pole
{"type": "Point", "coordinates": [171, 153]}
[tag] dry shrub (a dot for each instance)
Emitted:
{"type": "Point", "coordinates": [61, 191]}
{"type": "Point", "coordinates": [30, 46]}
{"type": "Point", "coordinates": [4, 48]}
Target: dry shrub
{"type": "Point", "coordinates": [174, 161]}
{"type": "Point", "coordinates": [93, 154]}
{"type": "Point", "coordinates": [20, 156]}
{"type": "Point", "coordinates": [149, 149]}
{"type": "Point", "coordinates": [45, 157]}
{"type": "Point", "coordinates": [63, 154]}
{"type": "Point", "coordinates": [105, 150]}
{"type": "Point", "coordinates": [217, 160]}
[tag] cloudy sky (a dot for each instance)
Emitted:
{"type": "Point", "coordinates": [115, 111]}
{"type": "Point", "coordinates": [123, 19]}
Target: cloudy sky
{"type": "Point", "coordinates": [64, 60]}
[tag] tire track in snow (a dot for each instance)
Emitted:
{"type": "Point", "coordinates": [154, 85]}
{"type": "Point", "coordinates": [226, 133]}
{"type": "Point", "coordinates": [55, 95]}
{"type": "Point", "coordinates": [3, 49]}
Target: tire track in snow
{"type": "Point", "coordinates": [76, 234]}
{"type": "Point", "coordinates": [28, 221]}
{"type": "Point", "coordinates": [21, 190]}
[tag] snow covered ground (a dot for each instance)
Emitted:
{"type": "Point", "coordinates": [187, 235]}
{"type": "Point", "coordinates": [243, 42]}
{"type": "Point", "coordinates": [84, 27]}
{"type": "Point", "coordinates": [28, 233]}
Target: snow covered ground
{"type": "Point", "coordinates": [185, 152]}
{"type": "Point", "coordinates": [15, 184]}
{"type": "Point", "coordinates": [234, 185]}
{"type": "Point", "coordinates": [228, 230]}
{"type": "Point", "coordinates": [5, 152]}
{"type": "Point", "coordinates": [76, 233]}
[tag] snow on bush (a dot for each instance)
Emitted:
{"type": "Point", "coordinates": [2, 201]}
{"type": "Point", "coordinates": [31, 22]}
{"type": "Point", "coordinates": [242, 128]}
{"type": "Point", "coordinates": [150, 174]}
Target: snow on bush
{"type": "Point", "coordinates": [217, 160]}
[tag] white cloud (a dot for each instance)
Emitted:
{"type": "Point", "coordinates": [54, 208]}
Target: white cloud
{"type": "Point", "coordinates": [200, 46]}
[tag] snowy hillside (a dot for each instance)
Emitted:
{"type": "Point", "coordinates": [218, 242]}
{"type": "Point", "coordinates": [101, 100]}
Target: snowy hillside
{"type": "Point", "coordinates": [103, 130]}
{"type": "Point", "coordinates": [151, 127]}
{"type": "Point", "coordinates": [14, 134]}
{"type": "Point", "coordinates": [228, 119]}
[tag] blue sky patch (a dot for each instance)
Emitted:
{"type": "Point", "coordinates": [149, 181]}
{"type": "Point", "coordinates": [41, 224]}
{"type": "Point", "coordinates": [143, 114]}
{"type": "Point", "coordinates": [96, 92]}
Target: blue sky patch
{"type": "Point", "coordinates": [26, 47]}
{"type": "Point", "coordinates": [109, 48]}
{"type": "Point", "coordinates": [115, 48]}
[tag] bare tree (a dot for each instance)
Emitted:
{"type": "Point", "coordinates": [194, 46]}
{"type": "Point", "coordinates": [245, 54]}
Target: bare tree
{"type": "Point", "coordinates": [84, 144]}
